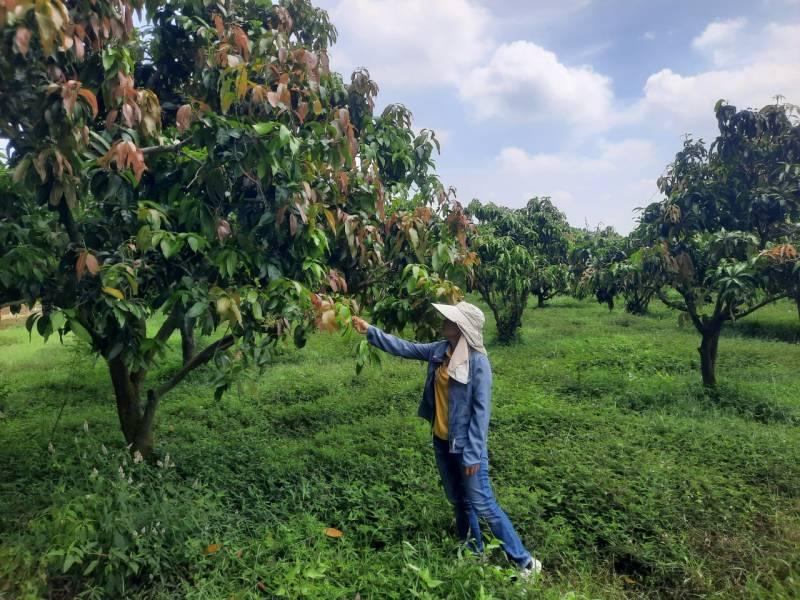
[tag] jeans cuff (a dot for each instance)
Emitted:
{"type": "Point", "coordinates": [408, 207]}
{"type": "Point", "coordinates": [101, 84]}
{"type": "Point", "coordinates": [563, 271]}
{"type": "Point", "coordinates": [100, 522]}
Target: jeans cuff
{"type": "Point", "coordinates": [525, 562]}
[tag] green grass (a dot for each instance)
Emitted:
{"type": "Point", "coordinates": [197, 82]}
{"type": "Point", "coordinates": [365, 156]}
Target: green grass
{"type": "Point", "coordinates": [623, 475]}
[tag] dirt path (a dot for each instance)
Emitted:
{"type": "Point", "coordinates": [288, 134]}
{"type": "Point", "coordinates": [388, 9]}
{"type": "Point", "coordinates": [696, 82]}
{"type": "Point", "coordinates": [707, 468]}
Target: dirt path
{"type": "Point", "coordinates": [7, 319]}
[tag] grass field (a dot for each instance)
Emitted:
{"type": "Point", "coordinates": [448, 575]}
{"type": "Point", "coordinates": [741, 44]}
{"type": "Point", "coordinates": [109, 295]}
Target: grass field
{"type": "Point", "coordinates": [623, 475]}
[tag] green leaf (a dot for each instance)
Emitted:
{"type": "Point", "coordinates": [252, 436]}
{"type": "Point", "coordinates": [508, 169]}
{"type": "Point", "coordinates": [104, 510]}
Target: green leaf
{"type": "Point", "coordinates": [197, 309]}
{"type": "Point", "coordinates": [80, 331]}
{"type": "Point", "coordinates": [230, 263]}
{"type": "Point", "coordinates": [265, 127]}
{"type": "Point", "coordinates": [69, 561]}
{"type": "Point", "coordinates": [90, 567]}
{"type": "Point", "coordinates": [284, 134]}
{"type": "Point", "coordinates": [108, 60]}
{"type": "Point", "coordinates": [414, 236]}
{"type": "Point", "coordinates": [429, 581]}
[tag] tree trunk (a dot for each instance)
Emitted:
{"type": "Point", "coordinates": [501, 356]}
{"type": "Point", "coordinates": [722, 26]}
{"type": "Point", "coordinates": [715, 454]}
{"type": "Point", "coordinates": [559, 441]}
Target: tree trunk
{"type": "Point", "coordinates": [540, 300]}
{"type": "Point", "coordinates": [708, 353]}
{"type": "Point", "coordinates": [135, 420]}
{"type": "Point", "coordinates": [797, 302]}
{"type": "Point", "coordinates": [610, 303]}
{"type": "Point", "coordinates": [187, 339]}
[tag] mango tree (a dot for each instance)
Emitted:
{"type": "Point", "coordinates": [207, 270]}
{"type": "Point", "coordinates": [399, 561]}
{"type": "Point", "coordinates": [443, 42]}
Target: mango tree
{"type": "Point", "coordinates": [213, 174]}
{"type": "Point", "coordinates": [503, 274]}
{"type": "Point", "coordinates": [638, 278]}
{"type": "Point", "coordinates": [721, 227]}
{"type": "Point", "coordinates": [592, 264]}
{"type": "Point", "coordinates": [551, 247]}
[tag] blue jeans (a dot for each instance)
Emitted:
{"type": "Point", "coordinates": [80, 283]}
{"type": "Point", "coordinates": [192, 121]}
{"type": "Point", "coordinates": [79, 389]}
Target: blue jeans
{"type": "Point", "coordinates": [472, 498]}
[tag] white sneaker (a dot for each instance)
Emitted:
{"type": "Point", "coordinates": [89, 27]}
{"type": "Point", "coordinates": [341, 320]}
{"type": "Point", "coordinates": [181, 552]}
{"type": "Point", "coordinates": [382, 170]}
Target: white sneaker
{"type": "Point", "coordinates": [532, 571]}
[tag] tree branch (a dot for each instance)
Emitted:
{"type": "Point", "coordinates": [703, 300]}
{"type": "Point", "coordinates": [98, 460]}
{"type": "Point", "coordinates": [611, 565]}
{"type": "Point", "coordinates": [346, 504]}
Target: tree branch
{"type": "Point", "coordinates": [65, 216]}
{"type": "Point", "coordinates": [691, 309]}
{"type": "Point", "coordinates": [769, 300]}
{"type": "Point", "coordinates": [169, 148]}
{"type": "Point", "coordinates": [671, 303]}
{"type": "Point", "coordinates": [171, 324]}
{"type": "Point", "coordinates": [197, 360]}
{"type": "Point", "coordinates": [164, 332]}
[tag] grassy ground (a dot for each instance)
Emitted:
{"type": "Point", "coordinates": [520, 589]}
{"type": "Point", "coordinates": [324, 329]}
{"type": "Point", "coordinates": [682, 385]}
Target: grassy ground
{"type": "Point", "coordinates": [623, 475]}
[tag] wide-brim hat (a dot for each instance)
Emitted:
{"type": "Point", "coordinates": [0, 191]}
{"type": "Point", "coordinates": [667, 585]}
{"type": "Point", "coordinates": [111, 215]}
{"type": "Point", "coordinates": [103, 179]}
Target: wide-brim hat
{"type": "Point", "coordinates": [468, 317]}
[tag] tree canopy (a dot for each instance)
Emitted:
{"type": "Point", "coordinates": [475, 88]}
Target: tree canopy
{"type": "Point", "coordinates": [208, 170]}
{"type": "Point", "coordinates": [726, 223]}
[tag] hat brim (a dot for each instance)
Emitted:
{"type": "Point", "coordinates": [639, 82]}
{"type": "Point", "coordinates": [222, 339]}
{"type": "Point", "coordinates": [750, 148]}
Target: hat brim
{"type": "Point", "coordinates": [450, 312]}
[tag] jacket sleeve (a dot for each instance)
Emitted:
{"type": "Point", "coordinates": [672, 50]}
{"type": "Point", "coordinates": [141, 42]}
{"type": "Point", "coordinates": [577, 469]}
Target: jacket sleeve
{"type": "Point", "coordinates": [480, 411]}
{"type": "Point", "coordinates": [397, 347]}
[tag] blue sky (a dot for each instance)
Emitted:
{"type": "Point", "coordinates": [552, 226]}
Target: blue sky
{"type": "Point", "coordinates": [582, 100]}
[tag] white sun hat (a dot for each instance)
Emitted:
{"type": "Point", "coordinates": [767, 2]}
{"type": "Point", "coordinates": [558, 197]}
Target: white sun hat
{"type": "Point", "coordinates": [469, 319]}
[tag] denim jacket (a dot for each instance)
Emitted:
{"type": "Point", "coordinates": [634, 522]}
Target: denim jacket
{"type": "Point", "coordinates": [469, 404]}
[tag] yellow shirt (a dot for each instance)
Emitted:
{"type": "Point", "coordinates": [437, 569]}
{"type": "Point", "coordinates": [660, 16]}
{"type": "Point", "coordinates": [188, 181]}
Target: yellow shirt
{"type": "Point", "coordinates": [441, 393]}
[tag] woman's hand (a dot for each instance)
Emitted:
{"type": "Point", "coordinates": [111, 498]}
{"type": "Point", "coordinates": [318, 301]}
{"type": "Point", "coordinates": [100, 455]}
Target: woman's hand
{"type": "Point", "coordinates": [360, 325]}
{"type": "Point", "coordinates": [472, 469]}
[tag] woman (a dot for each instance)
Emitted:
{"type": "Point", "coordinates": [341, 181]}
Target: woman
{"type": "Point", "coordinates": [456, 401]}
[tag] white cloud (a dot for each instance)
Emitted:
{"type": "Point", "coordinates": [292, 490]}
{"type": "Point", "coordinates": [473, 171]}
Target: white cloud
{"type": "Point", "coordinates": [413, 42]}
{"type": "Point", "coordinates": [599, 185]}
{"type": "Point", "coordinates": [453, 45]}
{"type": "Point", "coordinates": [449, 43]}
{"type": "Point", "coordinates": [781, 43]}
{"type": "Point", "coordinates": [685, 102]}
{"type": "Point", "coordinates": [524, 82]}
{"type": "Point", "coordinates": [721, 40]}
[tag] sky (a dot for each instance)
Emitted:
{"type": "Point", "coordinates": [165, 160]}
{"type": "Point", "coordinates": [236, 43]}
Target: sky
{"type": "Point", "coordinates": [585, 101]}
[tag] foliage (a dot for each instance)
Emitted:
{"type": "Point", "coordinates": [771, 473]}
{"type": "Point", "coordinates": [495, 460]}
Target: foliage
{"type": "Point", "coordinates": [551, 248]}
{"type": "Point", "coordinates": [724, 206]}
{"type": "Point", "coordinates": [542, 229]}
{"type": "Point", "coordinates": [638, 278]}
{"type": "Point", "coordinates": [642, 483]}
{"type": "Point", "coordinates": [113, 523]}
{"type": "Point", "coordinates": [502, 276]}
{"type": "Point", "coordinates": [592, 260]}
{"type": "Point", "coordinates": [211, 175]}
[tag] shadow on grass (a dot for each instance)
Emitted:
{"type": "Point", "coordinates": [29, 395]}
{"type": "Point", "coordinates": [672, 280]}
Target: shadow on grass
{"type": "Point", "coordinates": [734, 399]}
{"type": "Point", "coordinates": [782, 332]}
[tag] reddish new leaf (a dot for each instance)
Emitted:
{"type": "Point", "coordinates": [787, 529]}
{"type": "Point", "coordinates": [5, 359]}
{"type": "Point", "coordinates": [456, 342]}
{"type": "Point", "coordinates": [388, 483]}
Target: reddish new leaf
{"type": "Point", "coordinates": [22, 40]}
{"type": "Point", "coordinates": [223, 229]}
{"type": "Point", "coordinates": [241, 41]}
{"type": "Point", "coordinates": [128, 114]}
{"type": "Point", "coordinates": [91, 264]}
{"type": "Point", "coordinates": [183, 118]}
{"type": "Point", "coordinates": [91, 100]}
{"type": "Point", "coordinates": [111, 118]}
{"type": "Point", "coordinates": [80, 48]}
{"type": "Point", "coordinates": [302, 111]}
{"type": "Point", "coordinates": [219, 26]}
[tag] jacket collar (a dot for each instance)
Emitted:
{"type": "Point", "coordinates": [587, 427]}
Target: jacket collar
{"type": "Point", "coordinates": [440, 351]}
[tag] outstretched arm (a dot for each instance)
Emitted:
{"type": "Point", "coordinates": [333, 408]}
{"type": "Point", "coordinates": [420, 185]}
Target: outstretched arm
{"type": "Point", "coordinates": [391, 344]}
